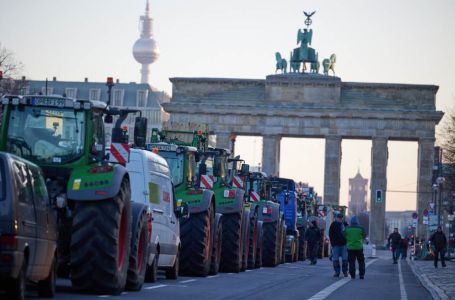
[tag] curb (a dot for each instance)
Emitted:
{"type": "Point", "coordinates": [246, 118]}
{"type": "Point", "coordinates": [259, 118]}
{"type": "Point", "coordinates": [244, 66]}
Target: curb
{"type": "Point", "coordinates": [435, 291]}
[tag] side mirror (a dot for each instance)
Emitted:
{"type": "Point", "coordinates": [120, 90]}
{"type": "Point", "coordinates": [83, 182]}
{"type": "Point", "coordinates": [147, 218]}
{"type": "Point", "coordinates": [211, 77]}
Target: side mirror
{"type": "Point", "coordinates": [245, 170]}
{"type": "Point", "coordinates": [140, 132]}
{"type": "Point", "coordinates": [108, 119]}
{"type": "Point", "coordinates": [182, 210]}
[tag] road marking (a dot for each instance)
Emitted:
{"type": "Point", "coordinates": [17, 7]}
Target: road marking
{"type": "Point", "coordinates": [103, 296]}
{"type": "Point", "coordinates": [213, 276]}
{"type": "Point", "coordinates": [248, 270]}
{"type": "Point", "coordinates": [333, 287]}
{"type": "Point", "coordinates": [155, 287]}
{"type": "Point", "coordinates": [124, 293]}
{"type": "Point", "coordinates": [404, 296]}
{"type": "Point", "coordinates": [187, 281]}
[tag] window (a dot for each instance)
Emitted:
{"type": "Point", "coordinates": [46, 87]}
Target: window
{"type": "Point", "coordinates": [94, 94]}
{"type": "Point", "coordinates": [49, 91]}
{"type": "Point", "coordinates": [71, 92]}
{"type": "Point", "coordinates": [141, 98]}
{"type": "Point", "coordinates": [23, 188]}
{"type": "Point", "coordinates": [98, 131]}
{"type": "Point", "coordinates": [117, 97]}
{"type": "Point", "coordinates": [39, 187]}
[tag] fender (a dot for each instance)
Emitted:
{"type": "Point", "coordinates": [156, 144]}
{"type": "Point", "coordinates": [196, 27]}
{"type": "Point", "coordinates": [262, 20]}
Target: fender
{"type": "Point", "coordinates": [207, 196]}
{"type": "Point", "coordinates": [237, 207]}
{"type": "Point", "coordinates": [86, 186]}
{"type": "Point", "coordinates": [137, 210]}
{"type": "Point", "coordinates": [275, 216]}
{"type": "Point", "coordinates": [259, 234]}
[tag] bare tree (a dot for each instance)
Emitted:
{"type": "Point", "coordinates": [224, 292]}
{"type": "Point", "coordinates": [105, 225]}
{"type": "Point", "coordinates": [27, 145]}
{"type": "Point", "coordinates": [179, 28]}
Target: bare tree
{"type": "Point", "coordinates": [8, 63]}
{"type": "Point", "coordinates": [446, 137]}
{"type": "Point", "coordinates": [10, 68]}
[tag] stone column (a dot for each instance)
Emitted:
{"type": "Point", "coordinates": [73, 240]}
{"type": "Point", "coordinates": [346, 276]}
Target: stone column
{"type": "Point", "coordinates": [223, 140]}
{"type": "Point", "coordinates": [379, 157]}
{"type": "Point", "coordinates": [332, 166]}
{"type": "Point", "coordinates": [424, 178]}
{"type": "Point", "coordinates": [271, 154]}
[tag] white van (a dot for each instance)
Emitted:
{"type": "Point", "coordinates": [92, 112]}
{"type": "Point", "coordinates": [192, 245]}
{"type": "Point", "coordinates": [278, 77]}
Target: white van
{"type": "Point", "coordinates": [151, 183]}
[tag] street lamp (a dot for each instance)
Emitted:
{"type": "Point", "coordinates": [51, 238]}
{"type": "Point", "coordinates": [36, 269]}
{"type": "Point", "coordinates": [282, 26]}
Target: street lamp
{"type": "Point", "coordinates": [440, 180]}
{"type": "Point", "coordinates": [110, 84]}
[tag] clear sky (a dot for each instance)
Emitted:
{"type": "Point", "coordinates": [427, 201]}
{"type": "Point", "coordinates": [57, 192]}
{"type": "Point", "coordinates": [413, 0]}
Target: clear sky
{"type": "Point", "coordinates": [406, 41]}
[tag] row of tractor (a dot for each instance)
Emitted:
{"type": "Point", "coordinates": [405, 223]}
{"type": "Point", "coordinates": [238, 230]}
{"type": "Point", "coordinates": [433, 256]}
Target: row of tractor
{"type": "Point", "coordinates": [123, 211]}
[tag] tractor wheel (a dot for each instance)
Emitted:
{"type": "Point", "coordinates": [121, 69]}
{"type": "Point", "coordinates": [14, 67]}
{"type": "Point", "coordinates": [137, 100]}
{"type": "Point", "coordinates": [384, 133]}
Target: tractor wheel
{"type": "Point", "coordinates": [270, 244]}
{"type": "Point", "coordinates": [138, 255]}
{"type": "Point", "coordinates": [252, 244]}
{"type": "Point", "coordinates": [173, 273]}
{"type": "Point", "coordinates": [296, 251]}
{"type": "Point", "coordinates": [245, 240]}
{"type": "Point", "coordinates": [216, 250]}
{"type": "Point", "coordinates": [46, 287]}
{"type": "Point", "coordinates": [231, 251]}
{"type": "Point", "coordinates": [259, 245]}
{"type": "Point", "coordinates": [100, 243]}
{"type": "Point", "coordinates": [196, 236]}
{"type": "Point", "coordinates": [301, 247]}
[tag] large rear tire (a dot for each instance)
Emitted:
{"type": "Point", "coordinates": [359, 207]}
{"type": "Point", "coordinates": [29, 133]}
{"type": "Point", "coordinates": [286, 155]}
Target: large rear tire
{"type": "Point", "coordinates": [139, 254]}
{"type": "Point", "coordinates": [216, 250]}
{"type": "Point", "coordinates": [270, 246]}
{"type": "Point", "coordinates": [100, 243]}
{"type": "Point", "coordinates": [252, 244]}
{"type": "Point", "coordinates": [231, 251]}
{"type": "Point", "coordinates": [196, 236]}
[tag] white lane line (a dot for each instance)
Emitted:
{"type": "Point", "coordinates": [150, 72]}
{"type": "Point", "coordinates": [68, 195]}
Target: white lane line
{"type": "Point", "coordinates": [333, 287]}
{"type": "Point", "coordinates": [248, 270]}
{"type": "Point", "coordinates": [103, 296]}
{"type": "Point", "coordinates": [187, 281]}
{"type": "Point", "coordinates": [155, 287]}
{"type": "Point", "coordinates": [213, 276]}
{"type": "Point", "coordinates": [403, 294]}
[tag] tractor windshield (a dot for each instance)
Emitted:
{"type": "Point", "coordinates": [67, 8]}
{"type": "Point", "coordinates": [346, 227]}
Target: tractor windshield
{"type": "Point", "coordinates": [46, 135]}
{"type": "Point", "coordinates": [175, 162]}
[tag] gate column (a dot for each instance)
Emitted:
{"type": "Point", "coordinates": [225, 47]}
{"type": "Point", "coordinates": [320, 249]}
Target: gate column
{"type": "Point", "coordinates": [379, 158]}
{"type": "Point", "coordinates": [271, 154]}
{"type": "Point", "coordinates": [332, 170]}
{"type": "Point", "coordinates": [424, 178]}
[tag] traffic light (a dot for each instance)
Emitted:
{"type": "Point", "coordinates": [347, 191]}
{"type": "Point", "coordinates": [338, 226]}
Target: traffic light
{"type": "Point", "coordinates": [378, 196]}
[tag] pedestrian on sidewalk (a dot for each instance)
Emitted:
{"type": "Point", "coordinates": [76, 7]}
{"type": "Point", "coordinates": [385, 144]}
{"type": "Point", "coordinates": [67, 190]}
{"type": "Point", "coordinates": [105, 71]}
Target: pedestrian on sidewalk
{"type": "Point", "coordinates": [439, 242]}
{"type": "Point", "coordinates": [313, 238]}
{"type": "Point", "coordinates": [355, 235]}
{"type": "Point", "coordinates": [394, 242]}
{"type": "Point", "coordinates": [338, 242]}
{"type": "Point", "coordinates": [404, 247]}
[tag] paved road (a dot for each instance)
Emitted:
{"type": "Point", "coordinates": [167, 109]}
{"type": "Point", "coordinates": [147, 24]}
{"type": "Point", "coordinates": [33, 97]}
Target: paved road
{"type": "Point", "coordinates": [289, 281]}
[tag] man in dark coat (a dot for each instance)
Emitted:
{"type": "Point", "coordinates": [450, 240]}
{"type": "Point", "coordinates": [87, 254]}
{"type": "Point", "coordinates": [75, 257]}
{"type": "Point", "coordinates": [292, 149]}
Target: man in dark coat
{"type": "Point", "coordinates": [439, 242]}
{"type": "Point", "coordinates": [394, 242]}
{"type": "Point", "coordinates": [313, 238]}
{"type": "Point", "coordinates": [338, 243]}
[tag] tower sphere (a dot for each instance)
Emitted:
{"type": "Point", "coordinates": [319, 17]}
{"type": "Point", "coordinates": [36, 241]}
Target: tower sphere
{"type": "Point", "coordinates": [146, 50]}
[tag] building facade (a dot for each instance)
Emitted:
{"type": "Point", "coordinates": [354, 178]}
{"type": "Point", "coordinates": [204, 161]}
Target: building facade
{"type": "Point", "coordinates": [358, 190]}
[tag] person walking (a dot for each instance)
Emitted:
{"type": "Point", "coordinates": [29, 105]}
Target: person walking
{"type": "Point", "coordinates": [313, 238]}
{"type": "Point", "coordinates": [338, 242]}
{"type": "Point", "coordinates": [394, 242]}
{"type": "Point", "coordinates": [355, 235]}
{"type": "Point", "coordinates": [439, 242]}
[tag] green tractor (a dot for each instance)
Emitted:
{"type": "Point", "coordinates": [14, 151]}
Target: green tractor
{"type": "Point", "coordinates": [201, 232]}
{"type": "Point", "coordinates": [273, 233]}
{"type": "Point", "coordinates": [91, 195]}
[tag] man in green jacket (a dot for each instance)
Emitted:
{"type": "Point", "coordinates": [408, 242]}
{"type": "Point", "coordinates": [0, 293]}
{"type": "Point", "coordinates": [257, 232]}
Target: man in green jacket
{"type": "Point", "coordinates": [355, 234]}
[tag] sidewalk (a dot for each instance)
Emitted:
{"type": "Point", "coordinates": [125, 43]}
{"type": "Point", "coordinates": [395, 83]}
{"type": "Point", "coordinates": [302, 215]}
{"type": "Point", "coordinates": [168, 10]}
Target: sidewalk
{"type": "Point", "coordinates": [439, 282]}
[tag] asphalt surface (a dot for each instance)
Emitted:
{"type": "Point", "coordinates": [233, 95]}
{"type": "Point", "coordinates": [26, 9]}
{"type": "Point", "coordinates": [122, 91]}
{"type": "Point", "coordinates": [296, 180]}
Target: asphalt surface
{"type": "Point", "coordinates": [299, 280]}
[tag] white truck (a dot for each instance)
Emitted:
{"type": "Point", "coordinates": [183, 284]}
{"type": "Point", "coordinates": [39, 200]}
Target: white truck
{"type": "Point", "coordinates": [151, 184]}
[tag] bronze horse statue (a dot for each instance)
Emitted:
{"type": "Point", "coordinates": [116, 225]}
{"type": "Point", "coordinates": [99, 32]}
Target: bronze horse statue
{"type": "Point", "coordinates": [329, 64]}
{"type": "Point", "coordinates": [281, 63]}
